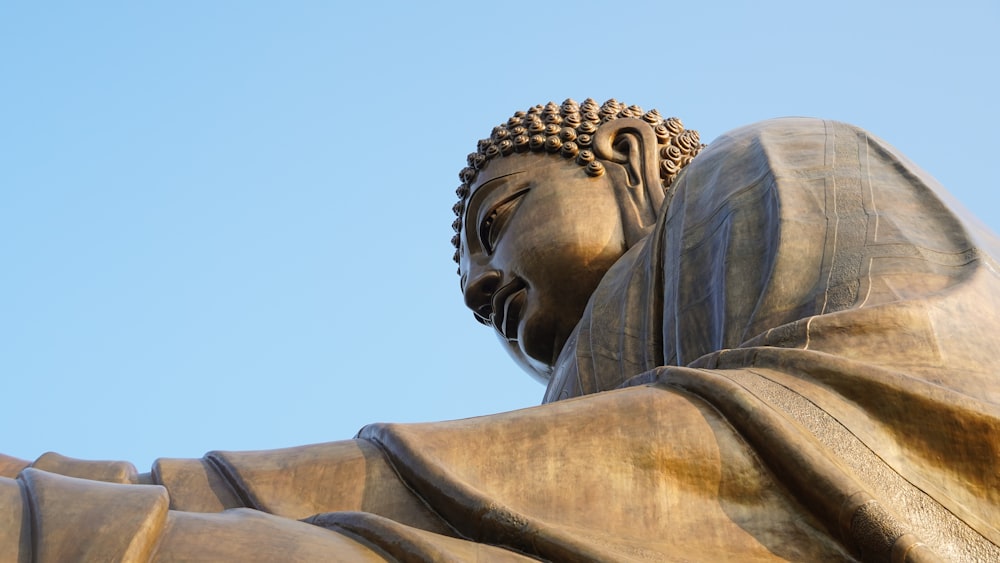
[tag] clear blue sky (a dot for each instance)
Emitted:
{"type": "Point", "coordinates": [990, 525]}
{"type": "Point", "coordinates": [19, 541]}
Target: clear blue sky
{"type": "Point", "coordinates": [225, 225]}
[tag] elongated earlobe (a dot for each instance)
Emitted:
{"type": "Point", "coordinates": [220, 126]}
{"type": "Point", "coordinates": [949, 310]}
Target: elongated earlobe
{"type": "Point", "coordinates": [631, 144]}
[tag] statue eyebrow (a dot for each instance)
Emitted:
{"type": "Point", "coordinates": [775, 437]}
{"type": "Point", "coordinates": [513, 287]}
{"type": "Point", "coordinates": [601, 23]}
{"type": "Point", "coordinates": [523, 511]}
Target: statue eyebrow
{"type": "Point", "coordinates": [491, 180]}
{"type": "Point", "coordinates": [484, 189]}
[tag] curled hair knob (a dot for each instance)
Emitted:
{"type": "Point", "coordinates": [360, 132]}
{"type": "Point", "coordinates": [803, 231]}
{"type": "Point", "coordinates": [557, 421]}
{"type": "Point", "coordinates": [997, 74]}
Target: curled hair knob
{"type": "Point", "coordinates": [552, 143]}
{"type": "Point", "coordinates": [569, 106]}
{"type": "Point", "coordinates": [479, 161]}
{"type": "Point", "coordinates": [569, 149]}
{"type": "Point", "coordinates": [686, 142]}
{"type": "Point", "coordinates": [672, 153]}
{"type": "Point", "coordinates": [611, 106]}
{"type": "Point", "coordinates": [663, 134]}
{"type": "Point", "coordinates": [521, 143]}
{"type": "Point", "coordinates": [674, 125]}
{"type": "Point", "coordinates": [652, 117]}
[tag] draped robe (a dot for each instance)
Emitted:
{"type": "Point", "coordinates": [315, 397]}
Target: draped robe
{"type": "Point", "coordinates": [797, 364]}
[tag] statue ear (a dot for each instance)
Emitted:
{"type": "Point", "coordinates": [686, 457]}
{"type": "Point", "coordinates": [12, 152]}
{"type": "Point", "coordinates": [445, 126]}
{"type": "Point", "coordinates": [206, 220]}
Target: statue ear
{"type": "Point", "coordinates": [632, 144]}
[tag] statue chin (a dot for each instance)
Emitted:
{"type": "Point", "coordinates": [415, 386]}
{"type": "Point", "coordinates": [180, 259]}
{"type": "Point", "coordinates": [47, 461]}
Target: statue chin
{"type": "Point", "coordinates": [538, 370]}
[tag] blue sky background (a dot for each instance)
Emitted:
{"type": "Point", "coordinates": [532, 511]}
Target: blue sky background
{"type": "Point", "coordinates": [225, 225]}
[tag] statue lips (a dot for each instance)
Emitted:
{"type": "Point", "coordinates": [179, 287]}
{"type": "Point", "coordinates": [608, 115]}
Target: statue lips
{"type": "Point", "coordinates": [507, 304]}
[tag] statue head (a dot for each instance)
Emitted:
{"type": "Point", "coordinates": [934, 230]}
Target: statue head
{"type": "Point", "coordinates": [548, 204]}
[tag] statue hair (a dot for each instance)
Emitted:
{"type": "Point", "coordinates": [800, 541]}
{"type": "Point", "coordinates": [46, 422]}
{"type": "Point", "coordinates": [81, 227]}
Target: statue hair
{"type": "Point", "coordinates": [566, 131]}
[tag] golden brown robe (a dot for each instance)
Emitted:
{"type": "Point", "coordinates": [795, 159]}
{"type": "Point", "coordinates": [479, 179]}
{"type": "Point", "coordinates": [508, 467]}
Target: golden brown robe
{"type": "Point", "coordinates": [797, 364]}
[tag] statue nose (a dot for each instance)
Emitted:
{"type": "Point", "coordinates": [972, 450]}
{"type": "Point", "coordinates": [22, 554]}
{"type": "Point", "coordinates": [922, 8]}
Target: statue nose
{"type": "Point", "coordinates": [479, 292]}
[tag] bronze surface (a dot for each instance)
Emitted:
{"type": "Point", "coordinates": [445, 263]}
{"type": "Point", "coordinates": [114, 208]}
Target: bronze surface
{"type": "Point", "coordinates": [781, 349]}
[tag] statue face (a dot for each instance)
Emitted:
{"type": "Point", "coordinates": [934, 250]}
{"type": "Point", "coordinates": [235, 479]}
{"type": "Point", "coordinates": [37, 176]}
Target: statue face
{"type": "Point", "coordinates": [538, 235]}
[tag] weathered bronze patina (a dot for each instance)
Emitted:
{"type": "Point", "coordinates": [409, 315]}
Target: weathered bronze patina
{"type": "Point", "coordinates": [782, 348]}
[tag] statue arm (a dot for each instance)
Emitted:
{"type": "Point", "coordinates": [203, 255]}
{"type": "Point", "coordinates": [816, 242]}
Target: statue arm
{"type": "Point", "coordinates": [61, 508]}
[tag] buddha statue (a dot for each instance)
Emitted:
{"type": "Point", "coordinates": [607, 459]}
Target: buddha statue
{"type": "Point", "coordinates": [775, 347]}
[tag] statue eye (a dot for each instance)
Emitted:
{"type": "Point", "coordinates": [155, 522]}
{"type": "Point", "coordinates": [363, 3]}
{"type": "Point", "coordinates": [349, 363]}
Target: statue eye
{"type": "Point", "coordinates": [493, 223]}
